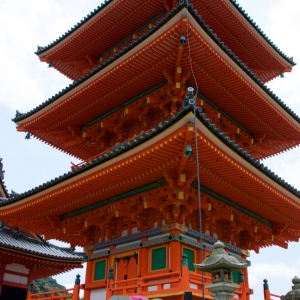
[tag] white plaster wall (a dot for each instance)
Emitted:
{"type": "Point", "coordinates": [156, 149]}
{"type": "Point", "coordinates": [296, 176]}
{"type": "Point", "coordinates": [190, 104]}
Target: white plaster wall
{"type": "Point", "coordinates": [98, 294]}
{"type": "Point", "coordinates": [17, 268]}
{"type": "Point", "coordinates": [15, 278]}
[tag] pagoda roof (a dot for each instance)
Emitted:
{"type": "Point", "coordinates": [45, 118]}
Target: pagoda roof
{"type": "Point", "coordinates": [16, 239]}
{"type": "Point", "coordinates": [126, 146]}
{"type": "Point", "coordinates": [19, 246]}
{"type": "Point", "coordinates": [225, 27]}
{"type": "Point", "coordinates": [92, 188]}
{"type": "Point", "coordinates": [36, 120]}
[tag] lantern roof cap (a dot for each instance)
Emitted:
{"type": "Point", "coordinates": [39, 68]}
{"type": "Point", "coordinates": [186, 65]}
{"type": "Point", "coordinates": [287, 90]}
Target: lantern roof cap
{"type": "Point", "coordinates": [220, 260]}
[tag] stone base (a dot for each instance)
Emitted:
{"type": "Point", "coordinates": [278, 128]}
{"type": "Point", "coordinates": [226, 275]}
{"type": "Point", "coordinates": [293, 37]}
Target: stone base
{"type": "Point", "coordinates": [222, 290]}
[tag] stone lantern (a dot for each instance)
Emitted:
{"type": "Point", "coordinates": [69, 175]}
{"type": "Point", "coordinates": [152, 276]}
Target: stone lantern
{"type": "Point", "coordinates": [221, 266]}
{"type": "Point", "coordinates": [294, 294]}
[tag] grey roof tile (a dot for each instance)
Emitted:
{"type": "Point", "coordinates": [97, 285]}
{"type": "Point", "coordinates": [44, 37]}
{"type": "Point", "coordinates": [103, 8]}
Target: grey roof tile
{"type": "Point", "coordinates": [17, 240]}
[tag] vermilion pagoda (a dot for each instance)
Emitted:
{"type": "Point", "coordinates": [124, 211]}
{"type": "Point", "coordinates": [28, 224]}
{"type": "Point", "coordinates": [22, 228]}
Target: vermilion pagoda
{"type": "Point", "coordinates": [133, 203]}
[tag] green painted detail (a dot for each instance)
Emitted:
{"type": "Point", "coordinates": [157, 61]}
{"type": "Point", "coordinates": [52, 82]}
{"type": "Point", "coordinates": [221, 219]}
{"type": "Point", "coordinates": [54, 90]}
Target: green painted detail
{"type": "Point", "coordinates": [248, 262]}
{"type": "Point", "coordinates": [101, 203]}
{"type": "Point", "coordinates": [159, 259]}
{"type": "Point", "coordinates": [190, 258]}
{"type": "Point", "coordinates": [133, 33]}
{"type": "Point", "coordinates": [223, 113]}
{"type": "Point", "coordinates": [184, 260]}
{"type": "Point", "coordinates": [100, 267]}
{"type": "Point", "coordinates": [266, 285]}
{"type": "Point", "coordinates": [217, 196]}
{"type": "Point", "coordinates": [154, 88]}
{"type": "Point", "coordinates": [235, 277]}
{"type": "Point", "coordinates": [175, 237]}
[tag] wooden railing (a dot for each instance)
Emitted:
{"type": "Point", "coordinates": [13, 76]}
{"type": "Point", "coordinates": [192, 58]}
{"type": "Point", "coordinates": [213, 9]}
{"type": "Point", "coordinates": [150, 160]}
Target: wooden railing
{"type": "Point", "coordinates": [69, 294]}
{"type": "Point", "coordinates": [274, 295]}
{"type": "Point", "coordinates": [168, 282]}
{"type": "Point", "coordinates": [267, 294]}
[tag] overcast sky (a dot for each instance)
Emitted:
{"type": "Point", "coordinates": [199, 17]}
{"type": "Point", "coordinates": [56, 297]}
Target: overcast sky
{"type": "Point", "coordinates": [25, 83]}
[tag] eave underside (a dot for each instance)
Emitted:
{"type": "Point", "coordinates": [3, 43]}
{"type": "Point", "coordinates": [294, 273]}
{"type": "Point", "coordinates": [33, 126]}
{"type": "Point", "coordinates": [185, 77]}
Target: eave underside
{"type": "Point", "coordinates": [270, 129]}
{"type": "Point", "coordinates": [41, 266]}
{"type": "Point", "coordinates": [221, 170]}
{"type": "Point", "coordinates": [80, 52]}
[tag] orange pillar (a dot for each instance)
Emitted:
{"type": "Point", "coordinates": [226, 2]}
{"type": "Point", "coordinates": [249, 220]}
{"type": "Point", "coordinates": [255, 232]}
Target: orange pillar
{"type": "Point", "coordinates": [76, 288]}
{"type": "Point", "coordinates": [175, 252]}
{"type": "Point", "coordinates": [144, 259]}
{"type": "Point", "coordinates": [110, 276]}
{"type": "Point", "coordinates": [89, 275]}
{"type": "Point", "coordinates": [185, 282]}
{"type": "Point", "coordinates": [29, 293]}
{"type": "Point", "coordinates": [143, 265]}
{"type": "Point", "coordinates": [267, 295]}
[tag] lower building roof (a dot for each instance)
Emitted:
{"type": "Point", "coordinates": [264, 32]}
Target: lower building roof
{"type": "Point", "coordinates": [17, 239]}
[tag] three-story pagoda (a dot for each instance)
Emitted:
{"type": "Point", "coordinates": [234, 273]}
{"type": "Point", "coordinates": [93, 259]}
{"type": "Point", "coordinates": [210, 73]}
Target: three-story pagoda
{"type": "Point", "coordinates": [160, 177]}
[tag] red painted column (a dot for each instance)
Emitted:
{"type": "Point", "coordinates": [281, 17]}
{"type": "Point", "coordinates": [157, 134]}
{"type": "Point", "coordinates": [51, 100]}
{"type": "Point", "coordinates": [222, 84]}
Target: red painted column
{"type": "Point", "coordinates": [110, 281]}
{"type": "Point", "coordinates": [76, 288]}
{"type": "Point", "coordinates": [143, 264]}
{"type": "Point", "coordinates": [89, 275]}
{"type": "Point", "coordinates": [144, 259]}
{"type": "Point", "coordinates": [267, 295]}
{"type": "Point", "coordinates": [175, 253]}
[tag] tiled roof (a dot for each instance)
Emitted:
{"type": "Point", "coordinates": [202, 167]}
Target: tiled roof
{"type": "Point", "coordinates": [126, 146]}
{"type": "Point", "coordinates": [183, 2]}
{"type": "Point", "coordinates": [17, 240]}
{"type": "Point", "coordinates": [258, 29]}
{"type": "Point", "coordinates": [21, 116]}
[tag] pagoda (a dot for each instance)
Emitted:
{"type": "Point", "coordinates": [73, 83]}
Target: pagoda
{"type": "Point", "coordinates": [170, 116]}
{"type": "Point", "coordinates": [25, 256]}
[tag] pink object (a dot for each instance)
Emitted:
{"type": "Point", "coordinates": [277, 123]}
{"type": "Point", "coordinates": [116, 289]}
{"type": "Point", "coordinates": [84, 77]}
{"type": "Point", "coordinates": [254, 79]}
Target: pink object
{"type": "Point", "coordinates": [138, 298]}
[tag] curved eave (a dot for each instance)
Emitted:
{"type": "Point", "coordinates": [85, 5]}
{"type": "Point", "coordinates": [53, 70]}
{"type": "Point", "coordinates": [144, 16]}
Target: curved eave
{"type": "Point", "coordinates": [288, 61]}
{"type": "Point", "coordinates": [79, 51]}
{"type": "Point", "coordinates": [57, 260]}
{"type": "Point", "coordinates": [73, 35]}
{"type": "Point", "coordinates": [134, 48]}
{"type": "Point", "coordinates": [237, 160]}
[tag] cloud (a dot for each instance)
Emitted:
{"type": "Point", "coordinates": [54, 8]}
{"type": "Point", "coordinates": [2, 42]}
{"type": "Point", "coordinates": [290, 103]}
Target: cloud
{"type": "Point", "coordinates": [283, 26]}
{"type": "Point", "coordinates": [273, 270]}
{"type": "Point", "coordinates": [25, 81]}
{"type": "Point", "coordinates": [279, 276]}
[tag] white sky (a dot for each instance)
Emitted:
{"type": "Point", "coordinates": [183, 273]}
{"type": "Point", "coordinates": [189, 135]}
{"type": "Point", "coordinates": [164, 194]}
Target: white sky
{"type": "Point", "coordinates": [25, 82]}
